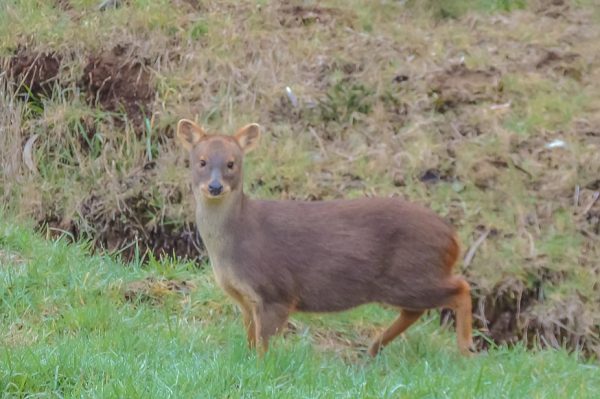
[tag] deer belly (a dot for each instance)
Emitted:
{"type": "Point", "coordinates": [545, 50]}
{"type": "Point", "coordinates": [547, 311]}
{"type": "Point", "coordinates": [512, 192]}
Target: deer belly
{"type": "Point", "coordinates": [334, 298]}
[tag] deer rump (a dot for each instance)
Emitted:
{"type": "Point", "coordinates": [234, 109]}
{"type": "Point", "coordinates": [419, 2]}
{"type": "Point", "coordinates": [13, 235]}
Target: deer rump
{"type": "Point", "coordinates": [334, 255]}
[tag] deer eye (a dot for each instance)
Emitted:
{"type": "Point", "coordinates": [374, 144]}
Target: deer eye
{"type": "Point", "coordinates": [230, 165]}
{"type": "Point", "coordinates": [202, 163]}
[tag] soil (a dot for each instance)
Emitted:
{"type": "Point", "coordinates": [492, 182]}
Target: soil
{"type": "Point", "coordinates": [306, 15]}
{"type": "Point", "coordinates": [34, 73]}
{"type": "Point", "coordinates": [486, 171]}
{"type": "Point", "coordinates": [459, 85]}
{"type": "Point", "coordinates": [64, 5]}
{"type": "Point", "coordinates": [117, 81]}
{"type": "Point", "coordinates": [130, 231]}
{"type": "Point", "coordinates": [154, 290]}
{"type": "Point", "coordinates": [124, 236]}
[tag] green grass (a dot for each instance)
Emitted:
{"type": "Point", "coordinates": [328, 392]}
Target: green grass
{"type": "Point", "coordinates": [456, 9]}
{"type": "Point", "coordinates": [67, 331]}
{"type": "Point", "coordinates": [369, 78]}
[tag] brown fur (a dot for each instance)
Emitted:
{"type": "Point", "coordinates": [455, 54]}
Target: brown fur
{"type": "Point", "coordinates": [277, 257]}
{"type": "Point", "coordinates": [452, 252]}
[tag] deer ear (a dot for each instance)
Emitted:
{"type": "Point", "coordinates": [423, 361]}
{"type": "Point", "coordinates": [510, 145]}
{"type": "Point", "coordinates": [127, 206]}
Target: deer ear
{"type": "Point", "coordinates": [189, 133]}
{"type": "Point", "coordinates": [248, 137]}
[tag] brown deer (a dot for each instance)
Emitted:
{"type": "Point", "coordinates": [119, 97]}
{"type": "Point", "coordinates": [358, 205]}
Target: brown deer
{"type": "Point", "coordinates": [278, 257]}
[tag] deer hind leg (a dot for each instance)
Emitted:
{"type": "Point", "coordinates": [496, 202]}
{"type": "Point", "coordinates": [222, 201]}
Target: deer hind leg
{"type": "Point", "coordinates": [405, 320]}
{"type": "Point", "coordinates": [461, 304]}
{"type": "Point", "coordinates": [269, 319]}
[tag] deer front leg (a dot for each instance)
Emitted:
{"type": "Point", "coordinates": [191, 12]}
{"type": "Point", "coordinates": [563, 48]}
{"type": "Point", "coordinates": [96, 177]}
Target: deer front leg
{"type": "Point", "coordinates": [245, 307]}
{"type": "Point", "coordinates": [249, 324]}
{"type": "Point", "coordinates": [269, 319]}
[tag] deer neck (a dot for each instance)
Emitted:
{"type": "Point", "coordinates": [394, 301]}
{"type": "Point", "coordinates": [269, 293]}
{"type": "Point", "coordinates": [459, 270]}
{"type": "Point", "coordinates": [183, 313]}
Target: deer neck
{"type": "Point", "coordinates": [217, 220]}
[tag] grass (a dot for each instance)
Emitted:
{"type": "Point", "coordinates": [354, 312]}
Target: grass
{"type": "Point", "coordinates": [465, 91]}
{"type": "Point", "coordinates": [68, 331]}
{"type": "Point", "coordinates": [455, 9]}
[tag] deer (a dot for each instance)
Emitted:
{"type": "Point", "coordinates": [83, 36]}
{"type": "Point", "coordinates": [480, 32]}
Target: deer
{"type": "Point", "coordinates": [278, 257]}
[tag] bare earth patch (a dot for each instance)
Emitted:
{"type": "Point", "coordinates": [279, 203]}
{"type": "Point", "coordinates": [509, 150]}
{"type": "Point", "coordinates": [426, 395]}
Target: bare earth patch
{"type": "Point", "coordinates": [18, 335]}
{"type": "Point", "coordinates": [9, 258]}
{"type": "Point", "coordinates": [34, 72]}
{"type": "Point", "coordinates": [117, 81]}
{"type": "Point", "coordinates": [155, 290]}
{"type": "Point", "coordinates": [306, 15]}
{"type": "Point", "coordinates": [133, 228]}
{"type": "Point", "coordinates": [460, 85]}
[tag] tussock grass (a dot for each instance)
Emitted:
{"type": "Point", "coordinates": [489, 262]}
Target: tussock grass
{"type": "Point", "coordinates": [451, 104]}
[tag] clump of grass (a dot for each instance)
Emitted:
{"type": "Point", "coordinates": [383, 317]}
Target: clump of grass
{"type": "Point", "coordinates": [344, 100]}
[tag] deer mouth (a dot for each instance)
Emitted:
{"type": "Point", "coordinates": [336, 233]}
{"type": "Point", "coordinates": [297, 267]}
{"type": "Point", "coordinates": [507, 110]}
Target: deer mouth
{"type": "Point", "coordinates": [212, 195]}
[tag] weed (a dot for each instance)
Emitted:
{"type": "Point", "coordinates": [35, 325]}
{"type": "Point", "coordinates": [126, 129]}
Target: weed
{"type": "Point", "coordinates": [344, 100]}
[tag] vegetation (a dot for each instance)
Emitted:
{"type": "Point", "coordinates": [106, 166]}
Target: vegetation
{"type": "Point", "coordinates": [464, 106]}
{"type": "Point", "coordinates": [76, 325]}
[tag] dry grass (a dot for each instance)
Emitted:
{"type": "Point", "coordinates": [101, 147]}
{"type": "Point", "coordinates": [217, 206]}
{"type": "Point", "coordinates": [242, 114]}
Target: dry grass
{"type": "Point", "coordinates": [451, 107]}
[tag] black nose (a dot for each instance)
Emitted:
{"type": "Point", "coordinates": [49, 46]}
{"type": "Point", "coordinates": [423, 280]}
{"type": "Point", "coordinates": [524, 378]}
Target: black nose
{"type": "Point", "coordinates": [215, 188]}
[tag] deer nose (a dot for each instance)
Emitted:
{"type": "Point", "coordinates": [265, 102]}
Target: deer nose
{"type": "Point", "coordinates": [215, 188]}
